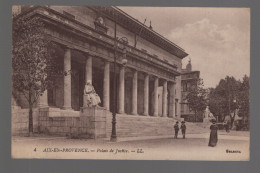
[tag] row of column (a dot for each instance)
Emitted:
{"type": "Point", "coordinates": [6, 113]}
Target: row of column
{"type": "Point", "coordinates": [121, 94]}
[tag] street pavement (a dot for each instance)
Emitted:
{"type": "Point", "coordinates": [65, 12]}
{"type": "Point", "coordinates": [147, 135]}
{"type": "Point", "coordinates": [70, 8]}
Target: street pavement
{"type": "Point", "coordinates": [231, 146]}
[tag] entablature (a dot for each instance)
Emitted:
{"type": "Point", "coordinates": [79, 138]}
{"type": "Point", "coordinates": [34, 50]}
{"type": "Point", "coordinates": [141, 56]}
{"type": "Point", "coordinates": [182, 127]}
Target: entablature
{"type": "Point", "coordinates": [135, 26]}
{"type": "Point", "coordinates": [76, 35]}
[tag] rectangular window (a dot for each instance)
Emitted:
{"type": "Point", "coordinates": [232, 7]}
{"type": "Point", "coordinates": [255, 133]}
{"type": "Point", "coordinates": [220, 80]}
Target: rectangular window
{"type": "Point", "coordinates": [182, 108]}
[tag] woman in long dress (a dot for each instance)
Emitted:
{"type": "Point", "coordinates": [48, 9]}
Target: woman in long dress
{"type": "Point", "coordinates": [213, 139]}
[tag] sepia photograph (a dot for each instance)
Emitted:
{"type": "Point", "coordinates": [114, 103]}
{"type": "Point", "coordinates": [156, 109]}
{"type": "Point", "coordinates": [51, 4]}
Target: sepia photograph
{"type": "Point", "coordinates": [130, 83]}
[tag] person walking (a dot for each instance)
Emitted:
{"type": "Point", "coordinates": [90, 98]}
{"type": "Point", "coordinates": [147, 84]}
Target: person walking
{"type": "Point", "coordinates": [227, 127]}
{"type": "Point", "coordinates": [183, 129]}
{"type": "Point", "coordinates": [213, 139]}
{"type": "Point", "coordinates": [176, 128]}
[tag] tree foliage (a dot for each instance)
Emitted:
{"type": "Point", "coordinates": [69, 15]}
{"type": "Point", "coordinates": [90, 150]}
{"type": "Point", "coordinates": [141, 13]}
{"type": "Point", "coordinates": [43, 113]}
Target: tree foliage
{"type": "Point", "coordinates": [228, 96]}
{"type": "Point", "coordinates": [197, 97]}
{"type": "Point", "coordinates": [33, 60]}
{"type": "Point", "coordinates": [244, 98]}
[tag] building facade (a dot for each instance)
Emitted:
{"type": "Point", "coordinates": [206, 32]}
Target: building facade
{"type": "Point", "coordinates": [187, 78]}
{"type": "Point", "coordinates": [148, 85]}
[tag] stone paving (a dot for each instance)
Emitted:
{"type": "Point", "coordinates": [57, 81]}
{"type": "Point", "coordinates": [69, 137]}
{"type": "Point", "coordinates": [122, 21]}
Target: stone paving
{"type": "Point", "coordinates": [195, 147]}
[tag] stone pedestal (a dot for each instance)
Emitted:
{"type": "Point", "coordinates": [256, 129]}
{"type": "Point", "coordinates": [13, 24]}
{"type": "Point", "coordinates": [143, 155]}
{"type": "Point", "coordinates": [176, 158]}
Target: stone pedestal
{"type": "Point", "coordinates": [207, 120]}
{"type": "Point", "coordinates": [95, 117]}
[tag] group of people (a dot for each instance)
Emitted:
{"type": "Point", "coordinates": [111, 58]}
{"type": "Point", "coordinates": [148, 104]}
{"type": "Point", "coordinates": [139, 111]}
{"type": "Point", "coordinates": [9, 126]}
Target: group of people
{"type": "Point", "coordinates": [183, 129]}
{"type": "Point", "coordinates": [213, 139]}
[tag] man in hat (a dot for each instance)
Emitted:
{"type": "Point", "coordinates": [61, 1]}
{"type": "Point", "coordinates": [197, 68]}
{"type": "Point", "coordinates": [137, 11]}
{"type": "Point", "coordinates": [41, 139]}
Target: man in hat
{"type": "Point", "coordinates": [183, 129]}
{"type": "Point", "coordinates": [176, 128]}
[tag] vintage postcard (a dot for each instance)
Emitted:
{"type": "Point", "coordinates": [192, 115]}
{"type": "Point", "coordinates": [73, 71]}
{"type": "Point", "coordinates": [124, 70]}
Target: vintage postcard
{"type": "Point", "coordinates": [130, 83]}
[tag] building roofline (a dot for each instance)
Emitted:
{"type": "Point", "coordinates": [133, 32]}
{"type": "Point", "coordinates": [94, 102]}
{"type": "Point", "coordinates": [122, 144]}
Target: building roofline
{"type": "Point", "coordinates": [33, 11]}
{"type": "Point", "coordinates": [148, 34]}
{"type": "Point", "coordinates": [188, 72]}
{"type": "Point", "coordinates": [148, 28]}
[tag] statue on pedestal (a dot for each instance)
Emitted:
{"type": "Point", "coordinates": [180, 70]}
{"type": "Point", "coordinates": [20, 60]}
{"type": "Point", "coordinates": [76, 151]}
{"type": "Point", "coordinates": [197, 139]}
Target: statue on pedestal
{"type": "Point", "coordinates": [91, 98]}
{"type": "Point", "coordinates": [208, 116]}
{"type": "Point", "coordinates": [207, 113]}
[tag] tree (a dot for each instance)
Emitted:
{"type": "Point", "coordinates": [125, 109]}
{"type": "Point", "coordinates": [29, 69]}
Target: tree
{"type": "Point", "coordinates": [197, 97]}
{"type": "Point", "coordinates": [244, 99]}
{"type": "Point", "coordinates": [33, 60]}
{"type": "Point", "coordinates": [217, 105]}
{"type": "Point", "coordinates": [223, 99]}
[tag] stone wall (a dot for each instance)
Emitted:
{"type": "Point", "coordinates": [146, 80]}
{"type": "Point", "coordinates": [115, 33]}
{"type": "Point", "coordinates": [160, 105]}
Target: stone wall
{"type": "Point", "coordinates": [20, 121]}
{"type": "Point", "coordinates": [87, 123]}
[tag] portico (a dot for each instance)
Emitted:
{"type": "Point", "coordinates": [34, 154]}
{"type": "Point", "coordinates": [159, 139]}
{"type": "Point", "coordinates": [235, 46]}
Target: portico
{"type": "Point", "coordinates": [134, 95]}
{"type": "Point", "coordinates": [147, 88]}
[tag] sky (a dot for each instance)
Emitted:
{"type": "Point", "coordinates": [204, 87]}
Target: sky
{"type": "Point", "coordinates": [216, 39]}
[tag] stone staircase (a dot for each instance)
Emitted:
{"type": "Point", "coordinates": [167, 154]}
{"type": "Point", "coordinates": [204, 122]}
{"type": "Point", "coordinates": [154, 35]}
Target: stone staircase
{"type": "Point", "coordinates": [133, 126]}
{"type": "Point", "coordinates": [137, 126]}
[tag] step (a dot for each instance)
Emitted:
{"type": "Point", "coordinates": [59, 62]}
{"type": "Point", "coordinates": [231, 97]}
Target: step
{"type": "Point", "coordinates": [133, 126]}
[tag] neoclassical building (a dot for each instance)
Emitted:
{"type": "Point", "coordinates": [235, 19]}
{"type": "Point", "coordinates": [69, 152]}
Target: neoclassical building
{"type": "Point", "coordinates": [148, 85]}
{"type": "Point", "coordinates": [187, 77]}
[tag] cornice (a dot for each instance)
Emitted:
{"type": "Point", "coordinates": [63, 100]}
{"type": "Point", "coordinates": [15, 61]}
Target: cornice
{"type": "Point", "coordinates": [189, 72]}
{"type": "Point", "coordinates": [84, 32]}
{"type": "Point", "coordinates": [126, 21]}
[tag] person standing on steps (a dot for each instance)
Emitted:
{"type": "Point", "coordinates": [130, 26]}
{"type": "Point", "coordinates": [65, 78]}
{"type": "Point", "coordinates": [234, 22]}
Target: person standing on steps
{"type": "Point", "coordinates": [183, 129]}
{"type": "Point", "coordinates": [176, 128]}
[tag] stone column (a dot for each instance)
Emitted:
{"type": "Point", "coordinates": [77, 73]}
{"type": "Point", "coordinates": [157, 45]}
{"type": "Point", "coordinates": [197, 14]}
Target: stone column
{"type": "Point", "coordinates": [88, 75]}
{"type": "Point", "coordinates": [172, 100]}
{"type": "Point", "coordinates": [146, 95]}
{"type": "Point", "coordinates": [88, 69]}
{"type": "Point", "coordinates": [121, 94]}
{"type": "Point", "coordinates": [155, 104]}
{"type": "Point", "coordinates": [165, 101]}
{"type": "Point", "coordinates": [67, 79]}
{"type": "Point", "coordinates": [106, 86]}
{"type": "Point", "coordinates": [134, 93]}
{"type": "Point", "coordinates": [43, 100]}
